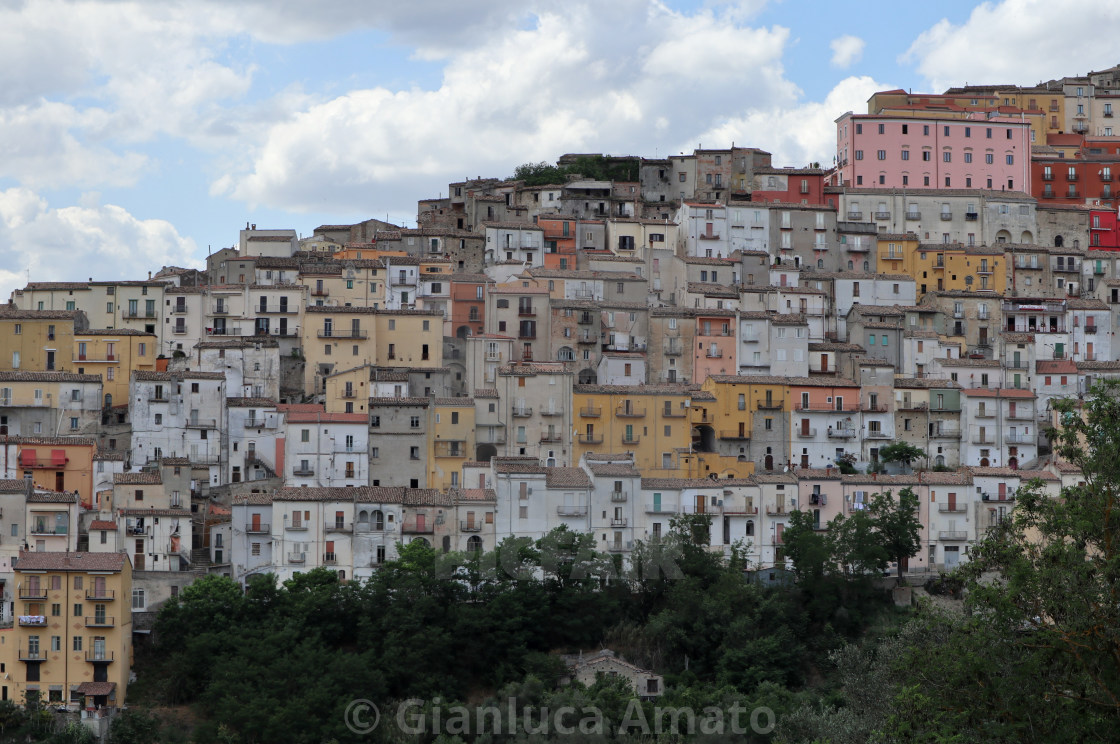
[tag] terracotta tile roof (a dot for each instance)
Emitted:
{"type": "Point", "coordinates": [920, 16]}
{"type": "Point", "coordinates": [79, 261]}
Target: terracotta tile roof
{"type": "Point", "coordinates": [53, 441]}
{"type": "Point", "coordinates": [138, 479]}
{"type": "Point", "coordinates": [150, 376]}
{"type": "Point", "coordinates": [111, 332]}
{"type": "Point", "coordinates": [926, 383]}
{"type": "Point", "coordinates": [21, 376]}
{"type": "Point", "coordinates": [181, 513]}
{"type": "Point", "coordinates": [472, 494]}
{"type": "Point", "coordinates": [567, 478]}
{"type": "Point", "coordinates": [175, 461]}
{"type": "Point", "coordinates": [455, 402]}
{"type": "Point", "coordinates": [12, 485]}
{"type": "Point", "coordinates": [519, 465]}
{"type": "Point", "coordinates": [102, 524]}
{"type": "Point", "coordinates": [663, 389]}
{"type": "Point", "coordinates": [250, 403]}
{"type": "Point", "coordinates": [253, 499]}
{"type": "Point", "coordinates": [59, 561]}
{"type": "Point", "coordinates": [14, 313]}
{"type": "Point", "coordinates": [394, 402]}
{"type": "Point", "coordinates": [1055, 367]}
{"type": "Point", "coordinates": [97, 689]}
{"type": "Point", "coordinates": [998, 393]}
{"type": "Point", "coordinates": [42, 496]}
{"type": "Point", "coordinates": [614, 469]}
{"type": "Point", "coordinates": [485, 393]}
{"type": "Point", "coordinates": [1098, 366]}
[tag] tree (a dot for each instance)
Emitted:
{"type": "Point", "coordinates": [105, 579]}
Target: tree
{"type": "Point", "coordinates": [901, 452]}
{"type": "Point", "coordinates": [134, 727]}
{"type": "Point", "coordinates": [896, 524]}
{"type": "Point", "coordinates": [809, 550]}
{"type": "Point", "coordinates": [1058, 561]}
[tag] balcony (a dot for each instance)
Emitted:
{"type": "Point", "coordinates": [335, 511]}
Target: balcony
{"type": "Point", "coordinates": [714, 353]}
{"type": "Point", "coordinates": [946, 432]}
{"type": "Point", "coordinates": [708, 236]}
{"type": "Point", "coordinates": [450, 448]}
{"type": "Point", "coordinates": [855, 215]}
{"type": "Point", "coordinates": [620, 547]}
{"type": "Point", "coordinates": [297, 557]}
{"type": "Point", "coordinates": [888, 256]}
{"type": "Point", "coordinates": [621, 522]}
{"type": "Point", "coordinates": [777, 509]}
{"type": "Point", "coordinates": [342, 333]}
{"type": "Point", "coordinates": [202, 424]}
{"type": "Point", "coordinates": [551, 437]}
{"type": "Point", "coordinates": [550, 412]}
{"type": "Point", "coordinates": [330, 559]}
{"type": "Point", "coordinates": [982, 439]}
{"type": "Point", "coordinates": [25, 655]}
{"type": "Point", "coordinates": [673, 349]}
{"type": "Point", "coordinates": [734, 434]}
{"type": "Point", "coordinates": [43, 462]}
{"type": "Point", "coordinates": [571, 510]}
{"type": "Point", "coordinates": [258, 529]}
{"type": "Point", "coordinates": [1020, 415]}
{"type": "Point", "coordinates": [1019, 438]}
{"type": "Point", "coordinates": [585, 339]}
{"type": "Point", "coordinates": [878, 435]}
{"type": "Point", "coordinates": [946, 216]}
{"type": "Point", "coordinates": [952, 508]}
{"type": "Point", "coordinates": [703, 418]}
{"type": "Point", "coordinates": [414, 527]}
{"type": "Point", "coordinates": [137, 315]}
{"type": "Point", "coordinates": [297, 526]}
{"type": "Point", "coordinates": [42, 529]}
{"type": "Point", "coordinates": [586, 319]}
{"type": "Point", "coordinates": [258, 423]}
{"type": "Point", "coordinates": [670, 412]}
{"type": "Point", "coordinates": [841, 433]}
{"type": "Point", "coordinates": [1107, 177]}
{"type": "Point", "coordinates": [807, 433]}
{"type": "Point", "coordinates": [971, 216]}
{"type": "Point", "coordinates": [589, 412]}
{"type": "Point", "coordinates": [100, 621]}
{"type": "Point", "coordinates": [877, 408]}
{"type": "Point", "coordinates": [1073, 176]}
{"type": "Point", "coordinates": [825, 408]}
{"type": "Point", "coordinates": [320, 292]}
{"type": "Point", "coordinates": [913, 215]}
{"type": "Point", "coordinates": [631, 438]}
{"type": "Point", "coordinates": [952, 535]}
{"type": "Point", "coordinates": [522, 412]}
{"type": "Point", "coordinates": [655, 508]}
{"type": "Point", "coordinates": [630, 411]}
{"type": "Point", "coordinates": [618, 496]}
{"type": "Point", "coordinates": [526, 312]}
{"type": "Point", "coordinates": [33, 621]}
{"type": "Point", "coordinates": [771, 405]}
{"type": "Point", "coordinates": [1091, 330]}
{"type": "Point", "coordinates": [100, 656]}
{"type": "Point", "coordinates": [589, 438]}
{"type": "Point", "coordinates": [339, 527]}
{"type": "Point", "coordinates": [882, 215]}
{"type": "Point", "coordinates": [859, 247]}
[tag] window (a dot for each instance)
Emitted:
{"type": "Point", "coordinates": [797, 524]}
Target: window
{"type": "Point", "coordinates": [859, 154]}
{"type": "Point", "coordinates": [414, 453]}
{"type": "Point", "coordinates": [1011, 160]}
{"type": "Point", "coordinates": [989, 158]}
{"type": "Point", "coordinates": [925, 155]}
{"type": "Point", "coordinates": [138, 600]}
{"type": "Point", "coordinates": [305, 435]}
{"type": "Point", "coordinates": [947, 156]}
{"type": "Point", "coordinates": [968, 157]}
{"type": "Point", "coordinates": [881, 155]}
{"type": "Point", "coordinates": [905, 154]}
{"type": "Point", "coordinates": [77, 643]}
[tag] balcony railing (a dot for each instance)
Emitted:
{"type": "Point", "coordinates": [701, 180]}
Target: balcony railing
{"type": "Point", "coordinates": [882, 215]}
{"type": "Point", "coordinates": [303, 472]}
{"type": "Point", "coordinates": [522, 412]}
{"type": "Point", "coordinates": [100, 655]}
{"type": "Point", "coordinates": [951, 508]}
{"type": "Point", "coordinates": [952, 535]}
{"type": "Point", "coordinates": [771, 405]}
{"type": "Point", "coordinates": [807, 433]}
{"type": "Point", "coordinates": [590, 412]}
{"type": "Point", "coordinates": [652, 508]}
{"type": "Point", "coordinates": [297, 557]}
{"type": "Point", "coordinates": [25, 655]}
{"type": "Point", "coordinates": [618, 496]}
{"type": "Point", "coordinates": [330, 559]}
{"type": "Point", "coordinates": [202, 424]}
{"type": "Point", "coordinates": [100, 621]}
{"type": "Point", "coordinates": [412, 527]}
{"type": "Point", "coordinates": [1019, 438]}
{"type": "Point", "coordinates": [33, 621]}
{"type": "Point", "coordinates": [590, 438]}
{"type": "Point", "coordinates": [469, 526]}
{"type": "Point", "coordinates": [855, 215]}
{"type": "Point", "coordinates": [631, 438]}
{"type": "Point", "coordinates": [571, 510]}
{"type": "Point", "coordinates": [670, 412]}
{"type": "Point", "coordinates": [551, 437]}
{"type": "Point", "coordinates": [734, 434]}
{"type": "Point", "coordinates": [620, 522]}
{"type": "Point", "coordinates": [342, 333]}
{"type": "Point", "coordinates": [297, 526]}
{"type": "Point", "coordinates": [339, 527]}
{"type": "Point", "coordinates": [258, 529]}
{"type": "Point", "coordinates": [878, 435]}
{"type": "Point", "coordinates": [673, 350]}
{"type": "Point", "coordinates": [714, 353]}
{"type": "Point", "coordinates": [913, 215]}
{"type": "Point", "coordinates": [630, 412]}
{"type": "Point", "coordinates": [842, 433]}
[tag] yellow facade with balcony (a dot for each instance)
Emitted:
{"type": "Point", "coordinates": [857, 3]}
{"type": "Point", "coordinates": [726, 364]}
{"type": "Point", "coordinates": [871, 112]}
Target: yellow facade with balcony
{"type": "Point", "coordinates": [71, 640]}
{"type": "Point", "coordinates": [114, 354]}
{"type": "Point", "coordinates": [37, 340]}
{"type": "Point", "coordinates": [450, 441]}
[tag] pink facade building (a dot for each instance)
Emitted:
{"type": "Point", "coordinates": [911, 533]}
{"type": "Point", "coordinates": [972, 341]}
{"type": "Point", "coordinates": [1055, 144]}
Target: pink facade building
{"type": "Point", "coordinates": [901, 151]}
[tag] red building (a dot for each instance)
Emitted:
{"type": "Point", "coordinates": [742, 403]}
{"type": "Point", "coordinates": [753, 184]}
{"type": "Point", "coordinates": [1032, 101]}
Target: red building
{"type": "Point", "coordinates": [468, 304]}
{"type": "Point", "coordinates": [789, 185]}
{"type": "Point", "coordinates": [1102, 230]}
{"type": "Point", "coordinates": [560, 250]}
{"type": "Point", "coordinates": [1086, 175]}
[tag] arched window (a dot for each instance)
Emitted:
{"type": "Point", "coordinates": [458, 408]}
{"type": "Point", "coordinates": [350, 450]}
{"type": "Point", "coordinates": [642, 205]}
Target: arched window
{"type": "Point", "coordinates": [446, 544]}
{"type": "Point", "coordinates": [750, 527]}
{"type": "Point", "coordinates": [474, 544]}
{"type": "Point", "coordinates": [363, 521]}
{"type": "Point", "coordinates": [566, 354]}
{"type": "Point", "coordinates": [378, 520]}
{"type": "Point", "coordinates": [820, 263]}
{"type": "Point", "coordinates": [851, 266]}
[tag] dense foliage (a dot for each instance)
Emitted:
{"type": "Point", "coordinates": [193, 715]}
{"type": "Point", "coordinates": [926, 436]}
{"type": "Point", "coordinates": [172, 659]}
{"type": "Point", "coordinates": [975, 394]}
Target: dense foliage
{"type": "Point", "coordinates": [594, 167]}
{"type": "Point", "coordinates": [281, 663]}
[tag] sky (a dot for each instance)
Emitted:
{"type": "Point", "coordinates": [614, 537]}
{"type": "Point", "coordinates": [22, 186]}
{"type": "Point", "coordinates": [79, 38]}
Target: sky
{"type": "Point", "coordinates": [136, 135]}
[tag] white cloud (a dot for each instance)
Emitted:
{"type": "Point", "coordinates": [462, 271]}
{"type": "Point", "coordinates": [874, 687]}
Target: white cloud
{"type": "Point", "coordinates": [565, 84]}
{"type": "Point", "coordinates": [801, 134]}
{"type": "Point", "coordinates": [1017, 41]}
{"type": "Point", "coordinates": [846, 51]}
{"type": "Point", "coordinates": [74, 243]}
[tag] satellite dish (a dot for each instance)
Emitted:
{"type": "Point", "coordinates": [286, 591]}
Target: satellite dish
{"type": "Point", "coordinates": [785, 468]}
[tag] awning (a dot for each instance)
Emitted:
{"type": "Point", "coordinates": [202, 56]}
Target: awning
{"type": "Point", "coordinates": [97, 688]}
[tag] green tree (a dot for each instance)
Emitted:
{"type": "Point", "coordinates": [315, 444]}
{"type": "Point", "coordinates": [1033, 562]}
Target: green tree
{"type": "Point", "coordinates": [856, 544]}
{"type": "Point", "coordinates": [897, 524]}
{"type": "Point", "coordinates": [901, 452]}
{"type": "Point", "coordinates": [134, 727]}
{"type": "Point", "coordinates": [807, 548]}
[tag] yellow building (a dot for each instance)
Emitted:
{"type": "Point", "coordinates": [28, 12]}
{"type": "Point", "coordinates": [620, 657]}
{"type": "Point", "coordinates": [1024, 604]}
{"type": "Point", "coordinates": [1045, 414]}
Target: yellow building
{"type": "Point", "coordinates": [650, 421]}
{"type": "Point", "coordinates": [336, 280]}
{"type": "Point", "coordinates": [62, 464]}
{"type": "Point", "coordinates": [72, 640]}
{"type": "Point", "coordinates": [943, 267]}
{"type": "Point", "coordinates": [38, 340]}
{"type": "Point", "coordinates": [114, 353]}
{"type": "Point", "coordinates": [409, 338]}
{"type": "Point", "coordinates": [450, 441]}
{"type": "Point", "coordinates": [333, 338]}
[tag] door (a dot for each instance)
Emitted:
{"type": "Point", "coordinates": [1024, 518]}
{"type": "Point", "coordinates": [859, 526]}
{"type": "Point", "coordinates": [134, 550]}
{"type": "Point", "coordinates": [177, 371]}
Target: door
{"type": "Point", "coordinates": [138, 555]}
{"type": "Point", "coordinates": [952, 502]}
{"type": "Point", "coordinates": [952, 557]}
{"type": "Point", "coordinates": [824, 362]}
{"type": "Point", "coordinates": [804, 427]}
{"type": "Point", "coordinates": [256, 523]}
{"type": "Point", "coordinates": [1016, 362]}
{"type": "Point", "coordinates": [99, 586]}
{"type": "Point", "coordinates": [421, 522]}
{"type": "Point", "coordinates": [657, 503]}
{"type": "Point", "coordinates": [1003, 492]}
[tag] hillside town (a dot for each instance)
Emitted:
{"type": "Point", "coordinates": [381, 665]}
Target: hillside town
{"type": "Point", "coordinates": [604, 344]}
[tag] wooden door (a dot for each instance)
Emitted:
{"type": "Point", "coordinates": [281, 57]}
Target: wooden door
{"type": "Point", "coordinates": [1003, 492]}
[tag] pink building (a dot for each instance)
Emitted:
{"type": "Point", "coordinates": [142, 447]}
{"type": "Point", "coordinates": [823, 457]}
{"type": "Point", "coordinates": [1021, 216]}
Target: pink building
{"type": "Point", "coordinates": [715, 344]}
{"type": "Point", "coordinates": [898, 152]}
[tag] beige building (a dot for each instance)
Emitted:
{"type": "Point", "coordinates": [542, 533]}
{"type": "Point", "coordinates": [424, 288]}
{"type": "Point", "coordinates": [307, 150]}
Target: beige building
{"type": "Point", "coordinates": [114, 354]}
{"type": "Point", "coordinates": [38, 340]}
{"type": "Point", "coordinates": [72, 641]}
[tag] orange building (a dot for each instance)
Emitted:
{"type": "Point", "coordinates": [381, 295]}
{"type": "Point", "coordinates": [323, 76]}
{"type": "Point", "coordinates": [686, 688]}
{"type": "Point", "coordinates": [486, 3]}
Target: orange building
{"type": "Point", "coordinates": [560, 251]}
{"type": "Point", "coordinates": [55, 463]}
{"type": "Point", "coordinates": [468, 304]}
